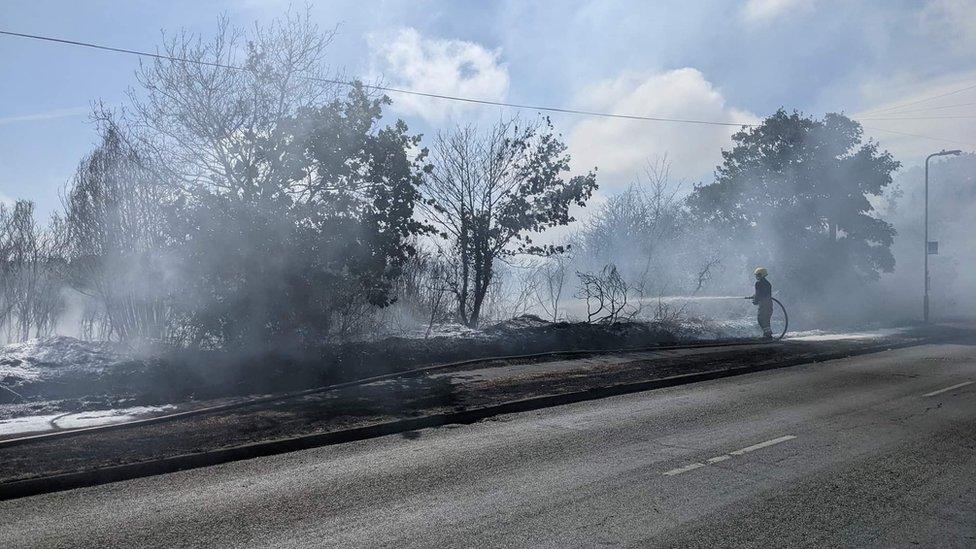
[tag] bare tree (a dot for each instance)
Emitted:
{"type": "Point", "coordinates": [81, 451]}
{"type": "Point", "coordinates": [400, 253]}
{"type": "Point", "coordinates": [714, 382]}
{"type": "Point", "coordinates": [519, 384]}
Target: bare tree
{"type": "Point", "coordinates": [422, 288]}
{"type": "Point", "coordinates": [637, 227]}
{"type": "Point", "coordinates": [215, 129]}
{"type": "Point", "coordinates": [550, 290]}
{"type": "Point", "coordinates": [488, 193]}
{"type": "Point", "coordinates": [8, 270]}
{"type": "Point", "coordinates": [646, 232]}
{"type": "Point", "coordinates": [436, 292]}
{"type": "Point", "coordinates": [708, 264]}
{"type": "Point", "coordinates": [49, 302]}
{"type": "Point", "coordinates": [31, 267]}
{"type": "Point", "coordinates": [117, 231]}
{"type": "Point", "coordinates": [660, 194]}
{"type": "Point", "coordinates": [23, 256]}
{"type": "Point", "coordinates": [514, 291]}
{"type": "Point", "coordinates": [607, 296]}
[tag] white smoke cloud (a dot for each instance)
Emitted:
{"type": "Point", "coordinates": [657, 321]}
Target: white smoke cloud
{"type": "Point", "coordinates": [620, 148]}
{"type": "Point", "coordinates": [409, 60]}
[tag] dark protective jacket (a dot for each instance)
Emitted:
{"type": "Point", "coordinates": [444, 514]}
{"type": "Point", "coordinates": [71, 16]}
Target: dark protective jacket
{"type": "Point", "coordinates": [764, 292]}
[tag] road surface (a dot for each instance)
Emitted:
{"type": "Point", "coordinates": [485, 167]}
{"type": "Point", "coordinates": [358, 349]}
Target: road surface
{"type": "Point", "coordinates": [876, 450]}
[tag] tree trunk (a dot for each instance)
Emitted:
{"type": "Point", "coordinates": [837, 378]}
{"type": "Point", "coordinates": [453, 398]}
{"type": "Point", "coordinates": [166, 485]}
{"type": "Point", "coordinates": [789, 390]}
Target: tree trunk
{"type": "Point", "coordinates": [483, 275]}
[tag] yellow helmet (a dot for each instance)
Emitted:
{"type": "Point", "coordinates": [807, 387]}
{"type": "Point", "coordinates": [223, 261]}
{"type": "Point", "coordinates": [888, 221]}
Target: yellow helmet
{"type": "Point", "coordinates": [761, 271]}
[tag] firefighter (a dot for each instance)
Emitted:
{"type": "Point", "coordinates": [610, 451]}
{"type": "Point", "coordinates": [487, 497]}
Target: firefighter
{"type": "Point", "coordinates": [764, 299]}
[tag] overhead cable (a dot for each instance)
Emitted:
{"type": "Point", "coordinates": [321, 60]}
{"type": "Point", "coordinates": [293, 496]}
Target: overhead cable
{"type": "Point", "coordinates": [388, 88]}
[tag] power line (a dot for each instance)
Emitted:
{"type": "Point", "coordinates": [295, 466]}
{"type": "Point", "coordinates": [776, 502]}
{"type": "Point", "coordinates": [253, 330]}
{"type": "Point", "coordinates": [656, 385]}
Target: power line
{"type": "Point", "coordinates": [949, 117]}
{"type": "Point", "coordinates": [386, 88]}
{"type": "Point", "coordinates": [471, 100]}
{"type": "Point", "coordinates": [921, 136]}
{"type": "Point", "coordinates": [923, 100]}
{"type": "Point", "coordinates": [939, 107]}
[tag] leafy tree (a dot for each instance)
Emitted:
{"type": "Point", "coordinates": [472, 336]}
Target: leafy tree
{"type": "Point", "coordinates": [794, 191]}
{"type": "Point", "coordinates": [351, 171]}
{"type": "Point", "coordinates": [489, 193]}
{"type": "Point", "coordinates": [293, 208]}
{"type": "Point", "coordinates": [300, 259]}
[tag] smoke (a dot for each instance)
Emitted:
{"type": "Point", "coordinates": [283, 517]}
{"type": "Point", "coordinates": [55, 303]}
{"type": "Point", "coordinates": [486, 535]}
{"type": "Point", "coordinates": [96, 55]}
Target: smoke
{"type": "Point", "coordinates": [833, 218]}
{"type": "Point", "coordinates": [259, 208]}
{"type": "Point", "coordinates": [952, 201]}
{"type": "Point", "coordinates": [256, 210]}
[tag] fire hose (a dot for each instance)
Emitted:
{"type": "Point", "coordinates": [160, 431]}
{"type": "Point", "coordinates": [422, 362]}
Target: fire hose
{"type": "Point", "coordinates": [786, 317]}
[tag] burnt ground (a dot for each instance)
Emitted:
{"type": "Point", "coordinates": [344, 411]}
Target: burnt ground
{"type": "Point", "coordinates": [227, 374]}
{"type": "Point", "coordinates": [466, 388]}
{"type": "Point", "coordinates": [187, 376]}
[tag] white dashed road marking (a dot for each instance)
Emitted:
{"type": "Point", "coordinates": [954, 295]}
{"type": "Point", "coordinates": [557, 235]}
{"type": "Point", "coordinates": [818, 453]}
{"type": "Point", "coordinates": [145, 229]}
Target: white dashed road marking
{"type": "Point", "coordinates": [761, 445]}
{"type": "Point", "coordinates": [739, 452]}
{"type": "Point", "coordinates": [684, 469]}
{"type": "Point", "coordinates": [940, 391]}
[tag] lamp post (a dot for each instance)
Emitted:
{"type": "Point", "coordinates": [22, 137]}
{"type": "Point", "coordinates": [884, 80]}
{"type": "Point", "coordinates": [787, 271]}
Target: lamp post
{"type": "Point", "coordinates": [943, 152]}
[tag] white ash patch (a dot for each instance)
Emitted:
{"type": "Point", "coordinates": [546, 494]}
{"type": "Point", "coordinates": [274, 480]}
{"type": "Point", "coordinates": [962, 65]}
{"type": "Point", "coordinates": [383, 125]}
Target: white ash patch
{"type": "Point", "coordinates": [45, 358]}
{"type": "Point", "coordinates": [51, 422]}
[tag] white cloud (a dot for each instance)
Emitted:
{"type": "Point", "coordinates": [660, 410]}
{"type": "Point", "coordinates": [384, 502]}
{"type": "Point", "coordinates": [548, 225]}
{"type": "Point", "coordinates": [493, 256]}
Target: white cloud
{"type": "Point", "coordinates": [620, 148]}
{"type": "Point", "coordinates": [447, 67]}
{"type": "Point", "coordinates": [762, 11]}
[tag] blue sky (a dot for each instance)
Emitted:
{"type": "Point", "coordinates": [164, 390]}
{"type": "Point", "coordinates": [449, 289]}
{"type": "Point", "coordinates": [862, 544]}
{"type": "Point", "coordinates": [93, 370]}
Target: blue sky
{"type": "Point", "coordinates": [729, 61]}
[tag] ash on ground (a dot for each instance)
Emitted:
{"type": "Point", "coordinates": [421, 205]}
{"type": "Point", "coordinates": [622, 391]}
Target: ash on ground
{"type": "Point", "coordinates": [52, 377]}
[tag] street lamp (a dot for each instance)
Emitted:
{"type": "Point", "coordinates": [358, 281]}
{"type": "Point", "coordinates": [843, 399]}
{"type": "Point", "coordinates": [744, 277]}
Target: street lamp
{"type": "Point", "coordinates": [943, 152]}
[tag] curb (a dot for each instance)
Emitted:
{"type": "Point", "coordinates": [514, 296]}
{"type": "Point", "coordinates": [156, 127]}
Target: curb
{"type": "Point", "coordinates": [67, 481]}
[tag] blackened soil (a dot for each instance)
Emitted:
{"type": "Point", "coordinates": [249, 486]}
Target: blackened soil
{"type": "Point", "coordinates": [392, 400]}
{"type": "Point", "coordinates": [182, 376]}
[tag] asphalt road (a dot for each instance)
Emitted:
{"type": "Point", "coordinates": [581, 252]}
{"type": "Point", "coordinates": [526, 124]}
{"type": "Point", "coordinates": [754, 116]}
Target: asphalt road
{"type": "Point", "coordinates": [876, 450]}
